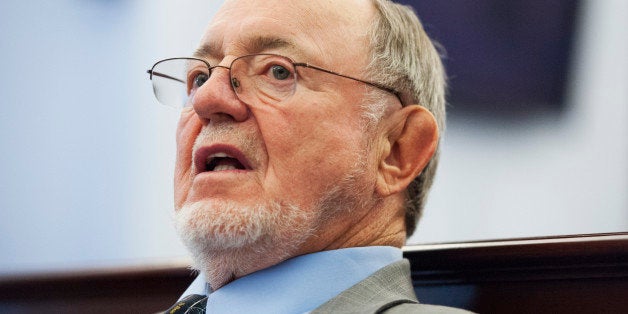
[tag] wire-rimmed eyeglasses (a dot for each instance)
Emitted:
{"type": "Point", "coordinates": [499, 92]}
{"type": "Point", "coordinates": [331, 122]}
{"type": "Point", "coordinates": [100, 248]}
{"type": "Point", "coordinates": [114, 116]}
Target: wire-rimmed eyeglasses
{"type": "Point", "coordinates": [257, 78]}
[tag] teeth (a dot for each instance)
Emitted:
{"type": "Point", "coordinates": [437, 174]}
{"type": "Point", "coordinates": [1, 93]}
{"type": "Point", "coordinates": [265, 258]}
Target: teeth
{"type": "Point", "coordinates": [224, 167]}
{"type": "Point", "coordinates": [216, 162]}
{"type": "Point", "coordinates": [217, 155]}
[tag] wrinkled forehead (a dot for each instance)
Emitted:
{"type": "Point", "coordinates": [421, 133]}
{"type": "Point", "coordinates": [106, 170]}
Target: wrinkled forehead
{"type": "Point", "coordinates": [309, 31]}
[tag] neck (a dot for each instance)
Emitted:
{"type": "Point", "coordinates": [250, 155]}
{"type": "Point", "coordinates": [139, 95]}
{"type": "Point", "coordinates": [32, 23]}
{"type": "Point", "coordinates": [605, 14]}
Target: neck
{"type": "Point", "coordinates": [221, 268]}
{"type": "Point", "coordinates": [381, 225]}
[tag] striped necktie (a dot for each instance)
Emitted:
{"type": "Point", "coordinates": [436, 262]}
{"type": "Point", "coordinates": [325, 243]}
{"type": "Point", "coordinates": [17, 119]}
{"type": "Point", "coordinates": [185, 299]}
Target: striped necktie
{"type": "Point", "coordinates": [191, 304]}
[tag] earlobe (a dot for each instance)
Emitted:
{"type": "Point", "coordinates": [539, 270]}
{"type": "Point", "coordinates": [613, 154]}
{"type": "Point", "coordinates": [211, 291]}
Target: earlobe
{"type": "Point", "coordinates": [411, 143]}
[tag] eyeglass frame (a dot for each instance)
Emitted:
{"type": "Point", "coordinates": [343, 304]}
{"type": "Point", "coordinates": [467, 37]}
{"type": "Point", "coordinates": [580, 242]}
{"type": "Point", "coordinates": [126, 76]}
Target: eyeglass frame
{"type": "Point", "coordinates": [210, 68]}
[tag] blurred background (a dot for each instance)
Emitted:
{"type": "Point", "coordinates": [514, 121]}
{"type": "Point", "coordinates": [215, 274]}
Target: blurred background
{"type": "Point", "coordinates": [536, 145]}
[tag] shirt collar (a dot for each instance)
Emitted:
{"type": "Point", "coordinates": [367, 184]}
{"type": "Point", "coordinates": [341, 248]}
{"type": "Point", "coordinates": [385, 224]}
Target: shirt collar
{"type": "Point", "coordinates": [299, 284]}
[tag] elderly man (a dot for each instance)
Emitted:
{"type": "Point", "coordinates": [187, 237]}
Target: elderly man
{"type": "Point", "coordinates": [305, 150]}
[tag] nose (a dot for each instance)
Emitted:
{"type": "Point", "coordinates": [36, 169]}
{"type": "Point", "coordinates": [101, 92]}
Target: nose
{"type": "Point", "coordinates": [215, 99]}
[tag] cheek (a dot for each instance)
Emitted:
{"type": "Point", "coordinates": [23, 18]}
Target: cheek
{"type": "Point", "coordinates": [187, 131]}
{"type": "Point", "coordinates": [309, 151]}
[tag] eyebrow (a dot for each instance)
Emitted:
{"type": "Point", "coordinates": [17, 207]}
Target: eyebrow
{"type": "Point", "coordinates": [206, 51]}
{"type": "Point", "coordinates": [262, 43]}
{"type": "Point", "coordinates": [254, 45]}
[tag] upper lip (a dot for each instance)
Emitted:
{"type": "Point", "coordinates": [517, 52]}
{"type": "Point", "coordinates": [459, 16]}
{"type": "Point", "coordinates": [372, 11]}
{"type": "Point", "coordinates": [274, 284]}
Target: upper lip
{"type": "Point", "coordinates": [218, 151]}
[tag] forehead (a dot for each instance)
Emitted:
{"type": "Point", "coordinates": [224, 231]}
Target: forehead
{"type": "Point", "coordinates": [311, 31]}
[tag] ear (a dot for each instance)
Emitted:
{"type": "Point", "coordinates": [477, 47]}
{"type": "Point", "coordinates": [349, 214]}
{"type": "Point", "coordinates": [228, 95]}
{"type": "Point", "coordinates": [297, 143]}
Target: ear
{"type": "Point", "coordinates": [412, 138]}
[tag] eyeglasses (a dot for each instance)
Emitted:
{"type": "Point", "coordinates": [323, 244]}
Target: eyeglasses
{"type": "Point", "coordinates": [257, 78]}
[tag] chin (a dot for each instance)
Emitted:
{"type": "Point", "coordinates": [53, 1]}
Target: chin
{"type": "Point", "coordinates": [222, 234]}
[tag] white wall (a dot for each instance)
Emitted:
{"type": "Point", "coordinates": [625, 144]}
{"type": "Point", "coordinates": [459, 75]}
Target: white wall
{"type": "Point", "coordinates": [87, 153]}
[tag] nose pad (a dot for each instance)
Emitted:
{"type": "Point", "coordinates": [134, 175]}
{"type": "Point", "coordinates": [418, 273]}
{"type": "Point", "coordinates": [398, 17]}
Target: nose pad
{"type": "Point", "coordinates": [235, 83]}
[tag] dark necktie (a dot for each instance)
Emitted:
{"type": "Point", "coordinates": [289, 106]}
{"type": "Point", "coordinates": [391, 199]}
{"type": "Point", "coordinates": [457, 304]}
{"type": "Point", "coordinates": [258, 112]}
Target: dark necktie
{"type": "Point", "coordinates": [191, 304]}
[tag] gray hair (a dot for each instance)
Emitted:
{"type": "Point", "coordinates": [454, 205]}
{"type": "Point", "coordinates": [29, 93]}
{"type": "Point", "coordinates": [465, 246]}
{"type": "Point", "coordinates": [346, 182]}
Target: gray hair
{"type": "Point", "coordinates": [404, 57]}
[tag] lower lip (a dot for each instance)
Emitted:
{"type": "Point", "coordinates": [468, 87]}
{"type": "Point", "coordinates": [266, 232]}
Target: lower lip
{"type": "Point", "coordinates": [217, 184]}
{"type": "Point", "coordinates": [221, 174]}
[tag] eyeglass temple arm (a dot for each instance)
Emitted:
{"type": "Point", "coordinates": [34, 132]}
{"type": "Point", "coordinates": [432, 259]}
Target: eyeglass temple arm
{"type": "Point", "coordinates": [151, 72]}
{"type": "Point", "coordinates": [380, 86]}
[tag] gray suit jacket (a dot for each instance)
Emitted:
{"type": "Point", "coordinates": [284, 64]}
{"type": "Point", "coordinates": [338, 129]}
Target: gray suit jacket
{"type": "Point", "coordinates": [389, 290]}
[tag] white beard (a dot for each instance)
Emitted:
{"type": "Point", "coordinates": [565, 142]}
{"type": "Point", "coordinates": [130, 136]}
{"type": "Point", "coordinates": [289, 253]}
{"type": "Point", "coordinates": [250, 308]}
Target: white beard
{"type": "Point", "coordinates": [228, 241]}
{"type": "Point", "coordinates": [211, 225]}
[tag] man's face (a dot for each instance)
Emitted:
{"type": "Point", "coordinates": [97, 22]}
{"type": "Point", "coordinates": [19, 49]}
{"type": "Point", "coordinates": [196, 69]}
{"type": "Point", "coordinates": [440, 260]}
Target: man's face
{"type": "Point", "coordinates": [293, 171]}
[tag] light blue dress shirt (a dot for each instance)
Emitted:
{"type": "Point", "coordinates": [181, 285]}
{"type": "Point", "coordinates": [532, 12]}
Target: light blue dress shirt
{"type": "Point", "coordinates": [298, 285]}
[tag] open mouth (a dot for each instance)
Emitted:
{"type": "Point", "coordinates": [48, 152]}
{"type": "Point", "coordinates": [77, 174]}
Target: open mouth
{"type": "Point", "coordinates": [222, 162]}
{"type": "Point", "coordinates": [219, 158]}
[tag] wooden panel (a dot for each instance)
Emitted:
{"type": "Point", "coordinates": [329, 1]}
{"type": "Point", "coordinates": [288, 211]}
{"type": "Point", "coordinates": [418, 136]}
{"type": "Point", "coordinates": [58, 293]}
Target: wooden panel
{"type": "Point", "coordinates": [103, 291]}
{"type": "Point", "coordinates": [578, 274]}
{"type": "Point", "coordinates": [573, 274]}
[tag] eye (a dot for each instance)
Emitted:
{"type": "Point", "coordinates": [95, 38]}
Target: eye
{"type": "Point", "coordinates": [280, 72]}
{"type": "Point", "coordinates": [196, 79]}
{"type": "Point", "coordinates": [200, 79]}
